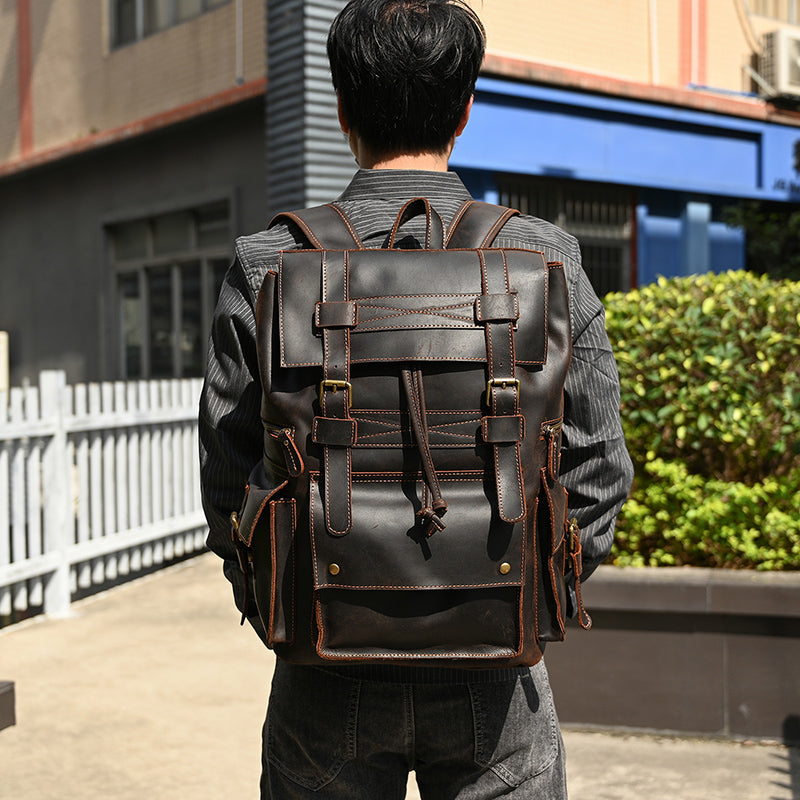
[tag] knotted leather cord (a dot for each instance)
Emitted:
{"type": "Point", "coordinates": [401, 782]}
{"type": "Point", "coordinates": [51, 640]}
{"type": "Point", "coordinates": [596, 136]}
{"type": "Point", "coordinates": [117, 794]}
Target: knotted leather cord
{"type": "Point", "coordinates": [430, 513]}
{"type": "Point", "coordinates": [434, 505]}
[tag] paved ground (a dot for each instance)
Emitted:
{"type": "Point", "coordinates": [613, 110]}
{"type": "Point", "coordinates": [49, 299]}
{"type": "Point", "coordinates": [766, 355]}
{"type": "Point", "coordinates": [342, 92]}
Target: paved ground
{"type": "Point", "coordinates": [152, 691]}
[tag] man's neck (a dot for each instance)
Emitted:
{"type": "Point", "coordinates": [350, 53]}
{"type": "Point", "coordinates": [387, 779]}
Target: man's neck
{"type": "Point", "coordinates": [429, 161]}
{"type": "Point", "coordinates": [432, 162]}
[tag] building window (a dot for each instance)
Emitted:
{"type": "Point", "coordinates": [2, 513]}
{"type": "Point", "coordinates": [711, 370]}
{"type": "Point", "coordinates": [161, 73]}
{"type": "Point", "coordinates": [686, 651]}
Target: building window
{"type": "Point", "coordinates": [132, 20]}
{"type": "Point", "coordinates": [784, 10]}
{"type": "Point", "coordinates": [600, 216]}
{"type": "Point", "coordinates": [169, 270]}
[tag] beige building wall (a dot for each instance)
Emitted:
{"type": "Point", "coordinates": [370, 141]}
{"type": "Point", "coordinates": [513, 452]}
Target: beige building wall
{"type": "Point", "coordinates": [80, 86]}
{"type": "Point", "coordinates": [645, 41]}
{"type": "Point", "coordinates": [730, 46]}
{"type": "Point", "coordinates": [607, 37]}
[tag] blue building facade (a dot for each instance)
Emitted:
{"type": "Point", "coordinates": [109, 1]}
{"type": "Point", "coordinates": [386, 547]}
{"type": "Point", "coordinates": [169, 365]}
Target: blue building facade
{"type": "Point", "coordinates": [675, 167]}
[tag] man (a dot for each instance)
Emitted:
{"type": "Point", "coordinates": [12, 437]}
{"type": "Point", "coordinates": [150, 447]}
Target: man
{"type": "Point", "coordinates": [404, 72]}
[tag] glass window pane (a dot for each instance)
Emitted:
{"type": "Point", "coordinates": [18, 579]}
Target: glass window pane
{"type": "Point", "coordinates": [156, 15]}
{"type": "Point", "coordinates": [188, 8]}
{"type": "Point", "coordinates": [171, 233]}
{"type": "Point", "coordinates": [130, 239]}
{"type": "Point", "coordinates": [213, 226]}
{"type": "Point", "coordinates": [191, 322]}
{"type": "Point", "coordinates": [124, 21]}
{"type": "Point", "coordinates": [130, 315]}
{"type": "Point", "coordinates": [215, 3]}
{"type": "Point", "coordinates": [159, 296]}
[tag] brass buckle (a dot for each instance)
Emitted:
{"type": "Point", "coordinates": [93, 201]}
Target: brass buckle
{"type": "Point", "coordinates": [503, 383]}
{"type": "Point", "coordinates": [334, 386]}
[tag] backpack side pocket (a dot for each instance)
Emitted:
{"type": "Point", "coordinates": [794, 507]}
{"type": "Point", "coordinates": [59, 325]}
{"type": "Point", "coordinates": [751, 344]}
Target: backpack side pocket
{"type": "Point", "coordinates": [551, 529]}
{"type": "Point", "coordinates": [282, 523]}
{"type": "Point", "coordinates": [264, 538]}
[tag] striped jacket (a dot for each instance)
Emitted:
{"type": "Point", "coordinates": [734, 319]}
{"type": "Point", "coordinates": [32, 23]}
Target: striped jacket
{"type": "Point", "coordinates": [595, 467]}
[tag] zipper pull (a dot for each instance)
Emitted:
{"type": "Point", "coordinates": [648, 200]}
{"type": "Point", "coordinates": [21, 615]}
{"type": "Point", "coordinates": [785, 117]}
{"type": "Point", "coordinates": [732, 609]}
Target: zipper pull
{"type": "Point", "coordinates": [291, 454]}
{"type": "Point", "coordinates": [551, 431]}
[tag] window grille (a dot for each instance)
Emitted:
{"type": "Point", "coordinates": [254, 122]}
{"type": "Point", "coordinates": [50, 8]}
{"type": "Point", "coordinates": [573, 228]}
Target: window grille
{"type": "Point", "coordinates": [784, 10]}
{"type": "Point", "coordinates": [132, 20]}
{"type": "Point", "coordinates": [169, 270]}
{"type": "Point", "coordinates": [600, 216]}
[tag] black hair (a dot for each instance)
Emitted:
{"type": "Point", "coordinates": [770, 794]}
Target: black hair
{"type": "Point", "coordinates": [405, 70]}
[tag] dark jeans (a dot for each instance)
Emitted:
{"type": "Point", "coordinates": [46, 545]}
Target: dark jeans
{"type": "Point", "coordinates": [331, 736]}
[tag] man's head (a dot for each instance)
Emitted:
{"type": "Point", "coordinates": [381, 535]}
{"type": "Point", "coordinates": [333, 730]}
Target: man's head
{"type": "Point", "coordinates": [405, 71]}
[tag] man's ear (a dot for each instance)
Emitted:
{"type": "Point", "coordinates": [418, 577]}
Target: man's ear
{"type": "Point", "coordinates": [343, 123]}
{"type": "Point", "coordinates": [465, 116]}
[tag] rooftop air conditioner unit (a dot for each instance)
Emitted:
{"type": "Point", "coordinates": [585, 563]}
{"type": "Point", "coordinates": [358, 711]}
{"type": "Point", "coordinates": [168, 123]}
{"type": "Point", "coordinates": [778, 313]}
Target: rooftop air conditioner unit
{"type": "Point", "coordinates": [780, 61]}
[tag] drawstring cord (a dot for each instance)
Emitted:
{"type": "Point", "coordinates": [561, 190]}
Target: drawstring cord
{"type": "Point", "coordinates": [434, 505]}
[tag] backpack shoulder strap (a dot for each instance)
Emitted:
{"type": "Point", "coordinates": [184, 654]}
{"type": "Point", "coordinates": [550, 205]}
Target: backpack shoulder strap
{"type": "Point", "coordinates": [476, 224]}
{"type": "Point", "coordinates": [324, 227]}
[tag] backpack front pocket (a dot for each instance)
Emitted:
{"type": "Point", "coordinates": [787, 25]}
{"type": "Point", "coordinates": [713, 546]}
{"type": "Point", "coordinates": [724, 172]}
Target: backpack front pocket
{"type": "Point", "coordinates": [387, 590]}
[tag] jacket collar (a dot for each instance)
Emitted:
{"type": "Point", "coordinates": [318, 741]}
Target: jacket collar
{"type": "Point", "coordinates": [400, 184]}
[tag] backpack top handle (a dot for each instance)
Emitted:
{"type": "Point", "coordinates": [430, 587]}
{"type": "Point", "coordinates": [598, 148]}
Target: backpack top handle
{"type": "Point", "coordinates": [434, 229]}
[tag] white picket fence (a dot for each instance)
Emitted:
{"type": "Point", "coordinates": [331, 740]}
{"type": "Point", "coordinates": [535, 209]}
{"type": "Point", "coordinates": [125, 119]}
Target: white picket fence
{"type": "Point", "coordinates": [98, 482]}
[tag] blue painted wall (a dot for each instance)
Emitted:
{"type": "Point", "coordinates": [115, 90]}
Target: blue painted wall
{"type": "Point", "coordinates": [681, 162]}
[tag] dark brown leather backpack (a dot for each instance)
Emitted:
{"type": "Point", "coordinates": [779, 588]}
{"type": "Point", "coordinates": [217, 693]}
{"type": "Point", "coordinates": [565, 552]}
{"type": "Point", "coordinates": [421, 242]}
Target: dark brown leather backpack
{"type": "Point", "coordinates": [408, 507]}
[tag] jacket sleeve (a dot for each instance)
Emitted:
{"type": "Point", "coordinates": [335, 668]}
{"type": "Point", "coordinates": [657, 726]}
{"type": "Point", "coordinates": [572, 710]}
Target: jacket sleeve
{"type": "Point", "coordinates": [596, 469]}
{"type": "Point", "coordinates": [230, 428]}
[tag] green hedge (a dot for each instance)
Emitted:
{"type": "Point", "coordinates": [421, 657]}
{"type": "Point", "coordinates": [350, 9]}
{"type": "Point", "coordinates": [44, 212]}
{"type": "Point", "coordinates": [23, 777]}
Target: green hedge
{"type": "Point", "coordinates": [710, 373]}
{"type": "Point", "coordinates": [676, 518]}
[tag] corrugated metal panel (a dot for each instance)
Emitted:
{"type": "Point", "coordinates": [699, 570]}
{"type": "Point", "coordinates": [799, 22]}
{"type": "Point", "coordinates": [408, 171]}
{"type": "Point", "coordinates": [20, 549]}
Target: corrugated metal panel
{"type": "Point", "coordinates": [308, 160]}
{"type": "Point", "coordinates": [284, 144]}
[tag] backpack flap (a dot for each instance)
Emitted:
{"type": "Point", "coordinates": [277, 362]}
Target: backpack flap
{"type": "Point", "coordinates": [436, 294]}
{"type": "Point", "coordinates": [338, 309]}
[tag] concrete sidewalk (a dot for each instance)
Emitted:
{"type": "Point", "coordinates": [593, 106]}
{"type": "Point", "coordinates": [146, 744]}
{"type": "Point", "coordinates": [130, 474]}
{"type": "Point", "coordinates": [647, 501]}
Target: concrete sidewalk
{"type": "Point", "coordinates": [152, 690]}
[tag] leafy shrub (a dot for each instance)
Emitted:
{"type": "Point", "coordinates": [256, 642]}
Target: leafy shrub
{"type": "Point", "coordinates": [710, 374]}
{"type": "Point", "coordinates": [674, 518]}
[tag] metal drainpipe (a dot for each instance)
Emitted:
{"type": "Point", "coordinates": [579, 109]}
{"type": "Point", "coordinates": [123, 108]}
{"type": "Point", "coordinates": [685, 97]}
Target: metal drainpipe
{"type": "Point", "coordinates": [695, 42]}
{"type": "Point", "coordinates": [239, 43]}
{"type": "Point", "coordinates": [654, 73]}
